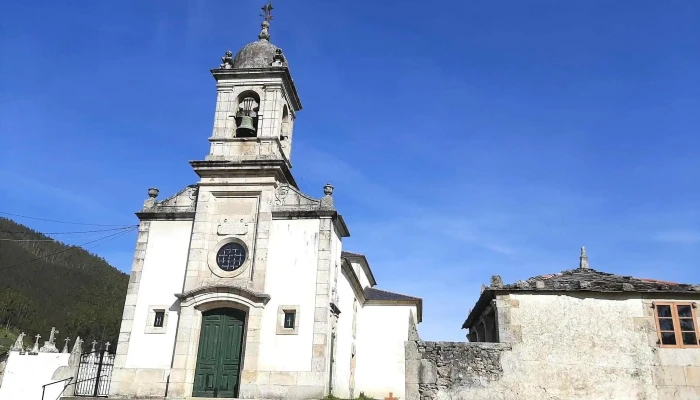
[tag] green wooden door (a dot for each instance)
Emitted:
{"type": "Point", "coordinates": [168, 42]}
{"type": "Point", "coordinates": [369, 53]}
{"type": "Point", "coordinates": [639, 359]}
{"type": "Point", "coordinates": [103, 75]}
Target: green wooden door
{"type": "Point", "coordinates": [219, 356]}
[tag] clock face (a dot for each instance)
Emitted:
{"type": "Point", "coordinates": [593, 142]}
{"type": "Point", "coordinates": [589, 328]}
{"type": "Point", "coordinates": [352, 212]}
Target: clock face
{"type": "Point", "coordinates": [231, 256]}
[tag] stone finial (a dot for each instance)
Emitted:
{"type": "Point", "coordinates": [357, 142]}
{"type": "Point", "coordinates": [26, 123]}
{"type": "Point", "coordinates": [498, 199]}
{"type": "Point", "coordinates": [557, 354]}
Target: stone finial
{"type": "Point", "coordinates": [151, 200]}
{"type": "Point", "coordinates": [328, 189]}
{"type": "Point", "coordinates": [94, 345]}
{"type": "Point", "coordinates": [264, 31]}
{"type": "Point", "coordinates": [19, 343]}
{"type": "Point", "coordinates": [496, 281]}
{"type": "Point", "coordinates": [583, 260]}
{"type": "Point", "coordinates": [278, 59]}
{"type": "Point", "coordinates": [227, 60]}
{"type": "Point", "coordinates": [65, 347]}
{"type": "Point", "coordinates": [327, 200]}
{"type": "Point", "coordinates": [107, 347]}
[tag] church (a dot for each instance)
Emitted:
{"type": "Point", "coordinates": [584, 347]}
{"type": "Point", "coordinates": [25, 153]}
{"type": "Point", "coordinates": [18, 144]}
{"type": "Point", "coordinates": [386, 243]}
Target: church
{"type": "Point", "coordinates": [240, 285]}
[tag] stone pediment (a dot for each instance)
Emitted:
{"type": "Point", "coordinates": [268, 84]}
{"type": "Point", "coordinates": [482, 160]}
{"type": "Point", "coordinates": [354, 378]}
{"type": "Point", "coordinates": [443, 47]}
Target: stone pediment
{"type": "Point", "coordinates": [288, 197]}
{"type": "Point", "coordinates": [218, 292]}
{"type": "Point", "coordinates": [181, 204]}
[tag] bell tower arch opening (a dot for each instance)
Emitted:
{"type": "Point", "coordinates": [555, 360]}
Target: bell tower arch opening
{"type": "Point", "coordinates": [248, 106]}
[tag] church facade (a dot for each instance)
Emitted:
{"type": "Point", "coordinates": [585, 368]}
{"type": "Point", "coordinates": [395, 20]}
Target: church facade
{"type": "Point", "coordinates": [240, 287]}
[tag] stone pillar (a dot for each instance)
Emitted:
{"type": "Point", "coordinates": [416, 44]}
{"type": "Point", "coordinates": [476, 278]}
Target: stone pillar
{"type": "Point", "coordinates": [122, 378]}
{"type": "Point", "coordinates": [322, 327]}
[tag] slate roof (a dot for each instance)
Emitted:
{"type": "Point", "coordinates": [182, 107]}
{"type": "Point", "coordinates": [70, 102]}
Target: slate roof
{"type": "Point", "coordinates": [365, 265]}
{"type": "Point", "coordinates": [350, 254]}
{"type": "Point", "coordinates": [372, 294]}
{"type": "Point", "coordinates": [590, 280]}
{"type": "Point", "coordinates": [377, 294]}
{"type": "Point", "coordinates": [580, 280]}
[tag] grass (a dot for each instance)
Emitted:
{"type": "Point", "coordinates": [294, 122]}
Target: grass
{"type": "Point", "coordinates": [360, 397]}
{"type": "Point", "coordinates": [7, 339]}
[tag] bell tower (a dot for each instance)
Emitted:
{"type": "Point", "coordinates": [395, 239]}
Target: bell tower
{"type": "Point", "coordinates": [256, 103]}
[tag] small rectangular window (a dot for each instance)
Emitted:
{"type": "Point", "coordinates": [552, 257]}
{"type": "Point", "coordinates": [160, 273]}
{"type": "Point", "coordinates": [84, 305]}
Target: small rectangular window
{"type": "Point", "coordinates": [289, 317]}
{"type": "Point", "coordinates": [676, 324]}
{"type": "Point", "coordinates": [158, 321]}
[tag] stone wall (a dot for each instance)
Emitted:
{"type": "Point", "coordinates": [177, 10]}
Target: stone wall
{"type": "Point", "coordinates": [439, 367]}
{"type": "Point", "coordinates": [560, 347]}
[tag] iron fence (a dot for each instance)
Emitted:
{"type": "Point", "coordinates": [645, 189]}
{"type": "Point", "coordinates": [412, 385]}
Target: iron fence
{"type": "Point", "coordinates": [94, 374]}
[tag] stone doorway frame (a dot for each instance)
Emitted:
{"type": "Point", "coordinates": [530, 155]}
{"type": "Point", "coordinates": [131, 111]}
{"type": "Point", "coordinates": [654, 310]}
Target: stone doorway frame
{"type": "Point", "coordinates": [192, 304]}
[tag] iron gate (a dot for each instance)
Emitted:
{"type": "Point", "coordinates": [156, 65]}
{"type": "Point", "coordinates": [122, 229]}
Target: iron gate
{"type": "Point", "coordinates": [94, 374]}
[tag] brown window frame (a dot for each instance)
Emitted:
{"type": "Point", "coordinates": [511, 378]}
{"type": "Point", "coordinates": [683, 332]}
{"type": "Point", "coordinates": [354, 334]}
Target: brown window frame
{"type": "Point", "coordinates": [677, 324]}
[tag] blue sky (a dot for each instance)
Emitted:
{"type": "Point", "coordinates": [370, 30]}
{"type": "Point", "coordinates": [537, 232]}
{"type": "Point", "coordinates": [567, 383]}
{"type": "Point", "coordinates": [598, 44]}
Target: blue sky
{"type": "Point", "coordinates": [464, 139]}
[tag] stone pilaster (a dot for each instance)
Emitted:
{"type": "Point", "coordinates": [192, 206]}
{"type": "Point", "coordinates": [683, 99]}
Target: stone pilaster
{"type": "Point", "coordinates": [322, 312]}
{"type": "Point", "coordinates": [119, 375]}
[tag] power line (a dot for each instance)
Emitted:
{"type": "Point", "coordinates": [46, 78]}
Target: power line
{"type": "Point", "coordinates": [27, 240]}
{"type": "Point", "coordinates": [68, 233]}
{"type": "Point", "coordinates": [129, 229]}
{"type": "Point", "coordinates": [60, 222]}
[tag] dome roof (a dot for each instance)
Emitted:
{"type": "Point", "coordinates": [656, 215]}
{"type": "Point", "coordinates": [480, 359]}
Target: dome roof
{"type": "Point", "coordinates": [258, 54]}
{"type": "Point", "coordinates": [261, 53]}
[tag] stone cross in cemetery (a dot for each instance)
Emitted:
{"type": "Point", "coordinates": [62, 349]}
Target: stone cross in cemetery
{"type": "Point", "coordinates": [35, 349]}
{"type": "Point", "coordinates": [65, 347]}
{"type": "Point", "coordinates": [50, 345]}
{"type": "Point", "coordinates": [94, 345]}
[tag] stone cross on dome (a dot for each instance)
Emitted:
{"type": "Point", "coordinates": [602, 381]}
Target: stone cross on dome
{"type": "Point", "coordinates": [267, 10]}
{"type": "Point", "coordinates": [267, 17]}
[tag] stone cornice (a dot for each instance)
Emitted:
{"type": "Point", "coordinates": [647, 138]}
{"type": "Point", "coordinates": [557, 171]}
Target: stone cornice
{"type": "Point", "coordinates": [246, 168]}
{"type": "Point", "coordinates": [270, 72]}
{"type": "Point", "coordinates": [166, 216]}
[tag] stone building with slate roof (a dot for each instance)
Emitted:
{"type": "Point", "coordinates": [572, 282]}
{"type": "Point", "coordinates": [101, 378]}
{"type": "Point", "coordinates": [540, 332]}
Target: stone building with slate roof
{"type": "Point", "coordinates": [576, 334]}
{"type": "Point", "coordinates": [240, 286]}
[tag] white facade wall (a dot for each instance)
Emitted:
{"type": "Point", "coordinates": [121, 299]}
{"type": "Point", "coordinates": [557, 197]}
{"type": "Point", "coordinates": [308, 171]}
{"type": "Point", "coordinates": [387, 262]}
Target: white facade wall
{"type": "Point", "coordinates": [341, 383]}
{"type": "Point", "coordinates": [25, 374]}
{"type": "Point", "coordinates": [290, 280]}
{"type": "Point", "coordinates": [162, 277]}
{"type": "Point", "coordinates": [361, 276]}
{"type": "Point", "coordinates": [381, 335]}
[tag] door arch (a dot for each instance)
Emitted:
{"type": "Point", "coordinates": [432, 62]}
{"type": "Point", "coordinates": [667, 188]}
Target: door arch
{"type": "Point", "coordinates": [220, 353]}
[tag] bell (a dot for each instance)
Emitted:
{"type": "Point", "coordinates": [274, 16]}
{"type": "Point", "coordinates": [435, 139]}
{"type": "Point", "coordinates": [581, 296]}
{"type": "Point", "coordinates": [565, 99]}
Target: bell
{"type": "Point", "coordinates": [246, 127]}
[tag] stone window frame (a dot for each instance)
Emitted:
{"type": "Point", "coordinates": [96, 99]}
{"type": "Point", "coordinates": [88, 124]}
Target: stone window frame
{"type": "Point", "coordinates": [214, 267]}
{"type": "Point", "coordinates": [676, 324]}
{"type": "Point", "coordinates": [281, 330]}
{"type": "Point", "coordinates": [151, 319]}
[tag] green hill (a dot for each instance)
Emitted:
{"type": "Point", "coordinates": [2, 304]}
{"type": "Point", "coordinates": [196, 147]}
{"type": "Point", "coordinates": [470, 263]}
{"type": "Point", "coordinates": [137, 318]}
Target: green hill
{"type": "Point", "coordinates": [77, 292]}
